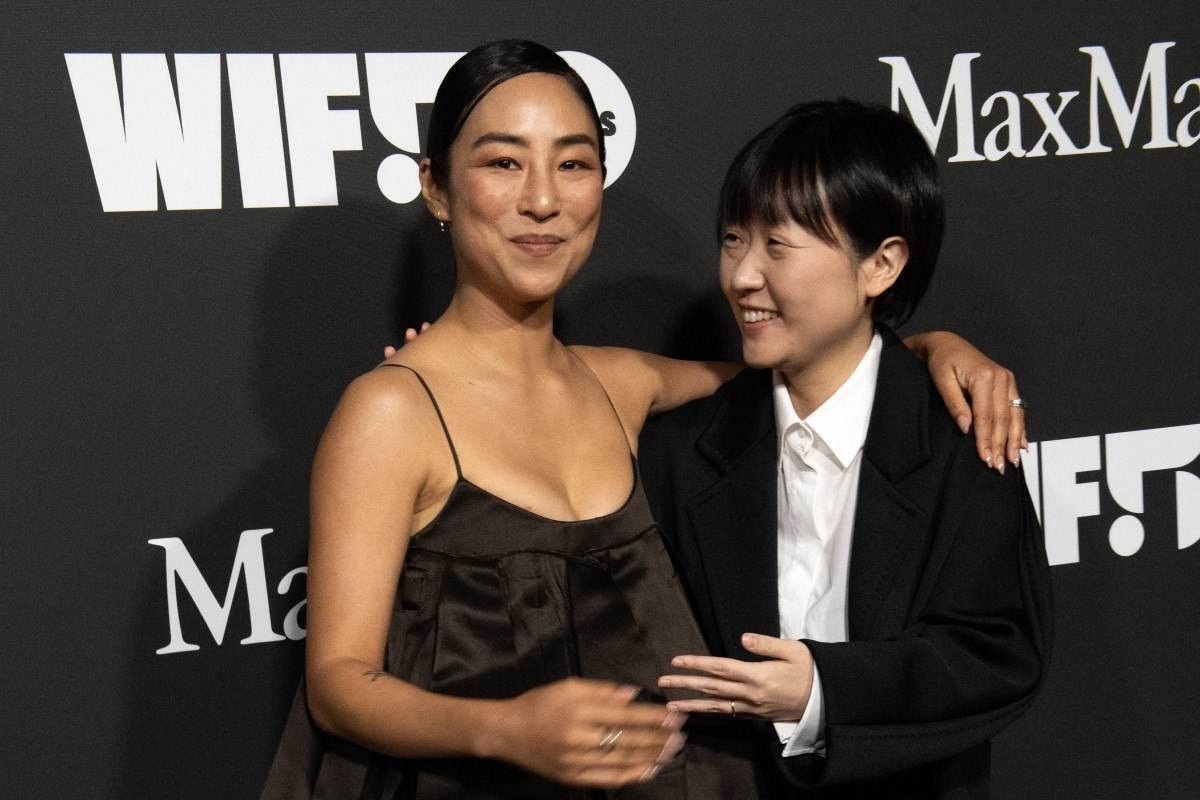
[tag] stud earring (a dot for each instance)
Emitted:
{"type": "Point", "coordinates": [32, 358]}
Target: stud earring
{"type": "Point", "coordinates": [442, 225]}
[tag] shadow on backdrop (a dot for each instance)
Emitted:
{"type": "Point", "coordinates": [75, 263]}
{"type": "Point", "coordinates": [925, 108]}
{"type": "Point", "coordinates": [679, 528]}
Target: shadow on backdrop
{"type": "Point", "coordinates": [667, 301]}
{"type": "Point", "coordinates": [338, 285]}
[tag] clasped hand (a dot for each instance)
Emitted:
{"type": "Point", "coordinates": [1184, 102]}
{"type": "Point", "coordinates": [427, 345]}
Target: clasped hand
{"type": "Point", "coordinates": [776, 689]}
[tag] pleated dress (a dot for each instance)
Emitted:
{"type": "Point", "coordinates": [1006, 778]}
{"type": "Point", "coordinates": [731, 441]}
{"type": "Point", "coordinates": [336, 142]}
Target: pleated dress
{"type": "Point", "coordinates": [494, 600]}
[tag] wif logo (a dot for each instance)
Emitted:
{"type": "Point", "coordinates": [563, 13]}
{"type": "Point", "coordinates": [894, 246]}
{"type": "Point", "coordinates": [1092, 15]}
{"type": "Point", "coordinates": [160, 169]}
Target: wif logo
{"type": "Point", "coordinates": [155, 125]}
{"type": "Point", "coordinates": [1126, 463]}
{"type": "Point", "coordinates": [1014, 113]}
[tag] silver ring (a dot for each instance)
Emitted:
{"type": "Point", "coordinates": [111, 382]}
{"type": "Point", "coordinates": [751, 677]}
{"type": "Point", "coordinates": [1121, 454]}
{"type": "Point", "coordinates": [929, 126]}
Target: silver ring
{"type": "Point", "coordinates": [732, 710]}
{"type": "Point", "coordinates": [609, 740]}
{"type": "Point", "coordinates": [1017, 402]}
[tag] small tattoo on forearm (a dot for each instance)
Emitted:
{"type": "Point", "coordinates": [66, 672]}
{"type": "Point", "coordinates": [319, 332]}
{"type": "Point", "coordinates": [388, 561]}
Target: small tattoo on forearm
{"type": "Point", "coordinates": [374, 674]}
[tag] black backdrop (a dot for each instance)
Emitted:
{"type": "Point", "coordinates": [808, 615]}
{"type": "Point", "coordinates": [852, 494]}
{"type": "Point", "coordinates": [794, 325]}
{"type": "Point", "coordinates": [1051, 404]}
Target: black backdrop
{"type": "Point", "coordinates": [166, 372]}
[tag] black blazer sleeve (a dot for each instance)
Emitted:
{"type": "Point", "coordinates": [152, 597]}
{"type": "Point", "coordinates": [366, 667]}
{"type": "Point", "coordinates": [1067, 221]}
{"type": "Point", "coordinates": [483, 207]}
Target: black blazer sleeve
{"type": "Point", "coordinates": [971, 652]}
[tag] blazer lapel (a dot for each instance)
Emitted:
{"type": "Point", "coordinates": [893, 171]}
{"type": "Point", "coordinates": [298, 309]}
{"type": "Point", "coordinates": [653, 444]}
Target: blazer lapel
{"type": "Point", "coordinates": [734, 519]}
{"type": "Point", "coordinates": [891, 521]}
{"type": "Point", "coordinates": [889, 532]}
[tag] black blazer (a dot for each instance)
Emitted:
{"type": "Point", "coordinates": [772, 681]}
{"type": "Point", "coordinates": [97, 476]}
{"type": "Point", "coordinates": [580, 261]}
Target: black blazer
{"type": "Point", "coordinates": [949, 615]}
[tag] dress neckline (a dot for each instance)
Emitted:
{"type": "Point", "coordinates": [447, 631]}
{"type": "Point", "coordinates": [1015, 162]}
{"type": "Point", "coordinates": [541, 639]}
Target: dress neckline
{"type": "Point", "coordinates": [462, 480]}
{"type": "Point", "coordinates": [628, 499]}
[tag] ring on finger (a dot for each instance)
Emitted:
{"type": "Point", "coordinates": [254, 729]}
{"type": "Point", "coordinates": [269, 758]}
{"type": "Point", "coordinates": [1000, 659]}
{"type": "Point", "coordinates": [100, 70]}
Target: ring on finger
{"type": "Point", "coordinates": [1017, 402]}
{"type": "Point", "coordinates": [609, 740]}
{"type": "Point", "coordinates": [732, 708]}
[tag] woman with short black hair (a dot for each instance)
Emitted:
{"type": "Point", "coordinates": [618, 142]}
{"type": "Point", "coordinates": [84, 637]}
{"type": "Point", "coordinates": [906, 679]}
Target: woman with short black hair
{"type": "Point", "coordinates": [894, 613]}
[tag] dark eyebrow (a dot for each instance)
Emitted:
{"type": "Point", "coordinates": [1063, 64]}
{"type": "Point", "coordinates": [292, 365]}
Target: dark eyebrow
{"type": "Point", "coordinates": [502, 138]}
{"type": "Point", "coordinates": [521, 141]}
{"type": "Point", "coordinates": [577, 138]}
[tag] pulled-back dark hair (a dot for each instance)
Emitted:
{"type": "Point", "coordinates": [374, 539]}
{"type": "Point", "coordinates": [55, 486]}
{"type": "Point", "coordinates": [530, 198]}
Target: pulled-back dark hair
{"type": "Point", "coordinates": [477, 73]}
{"type": "Point", "coordinates": [840, 164]}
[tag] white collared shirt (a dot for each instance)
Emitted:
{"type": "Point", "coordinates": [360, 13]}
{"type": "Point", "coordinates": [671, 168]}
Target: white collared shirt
{"type": "Point", "coordinates": [819, 462]}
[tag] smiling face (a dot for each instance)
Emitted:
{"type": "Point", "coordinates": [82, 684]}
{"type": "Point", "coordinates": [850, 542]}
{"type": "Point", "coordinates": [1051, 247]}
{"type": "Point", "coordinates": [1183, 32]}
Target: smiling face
{"type": "Point", "coordinates": [830, 219]}
{"type": "Point", "coordinates": [802, 304]}
{"type": "Point", "coordinates": [523, 193]}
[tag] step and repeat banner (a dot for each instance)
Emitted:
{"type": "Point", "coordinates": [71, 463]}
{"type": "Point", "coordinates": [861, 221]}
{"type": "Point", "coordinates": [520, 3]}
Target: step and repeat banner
{"type": "Point", "coordinates": [210, 226]}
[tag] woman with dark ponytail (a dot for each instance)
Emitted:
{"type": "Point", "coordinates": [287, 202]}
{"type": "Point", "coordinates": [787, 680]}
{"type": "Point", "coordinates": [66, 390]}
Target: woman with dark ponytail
{"type": "Point", "coordinates": [487, 591]}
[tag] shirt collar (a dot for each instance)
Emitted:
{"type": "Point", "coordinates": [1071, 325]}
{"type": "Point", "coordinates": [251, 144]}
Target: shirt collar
{"type": "Point", "coordinates": [841, 421]}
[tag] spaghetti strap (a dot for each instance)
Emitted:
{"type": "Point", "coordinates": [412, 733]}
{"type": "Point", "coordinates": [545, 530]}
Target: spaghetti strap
{"type": "Point", "coordinates": [611, 404]}
{"type": "Point", "coordinates": [441, 419]}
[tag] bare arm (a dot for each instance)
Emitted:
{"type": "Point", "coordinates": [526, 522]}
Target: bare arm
{"type": "Point", "coordinates": [650, 384]}
{"type": "Point", "coordinates": [365, 488]}
{"type": "Point", "coordinates": [674, 382]}
{"type": "Point", "coordinates": [372, 471]}
{"type": "Point", "coordinates": [641, 383]}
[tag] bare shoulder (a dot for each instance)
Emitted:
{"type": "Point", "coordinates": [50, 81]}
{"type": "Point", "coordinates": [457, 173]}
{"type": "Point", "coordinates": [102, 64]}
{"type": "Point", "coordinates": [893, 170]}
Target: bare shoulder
{"type": "Point", "coordinates": [391, 391]}
{"type": "Point", "coordinates": [385, 417]}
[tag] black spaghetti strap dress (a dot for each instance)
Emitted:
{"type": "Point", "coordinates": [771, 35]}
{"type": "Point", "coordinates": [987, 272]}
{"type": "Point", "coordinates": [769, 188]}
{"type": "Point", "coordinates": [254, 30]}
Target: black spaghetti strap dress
{"type": "Point", "coordinates": [494, 600]}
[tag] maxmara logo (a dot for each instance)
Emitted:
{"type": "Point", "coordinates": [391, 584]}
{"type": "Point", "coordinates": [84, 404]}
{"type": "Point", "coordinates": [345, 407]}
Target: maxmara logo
{"type": "Point", "coordinates": [1064, 477]}
{"type": "Point", "coordinates": [249, 571]}
{"type": "Point", "coordinates": [1038, 123]}
{"type": "Point", "coordinates": [157, 122]}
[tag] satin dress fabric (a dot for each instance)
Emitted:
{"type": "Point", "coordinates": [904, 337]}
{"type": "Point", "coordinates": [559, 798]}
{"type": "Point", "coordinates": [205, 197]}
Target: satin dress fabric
{"type": "Point", "coordinates": [494, 600]}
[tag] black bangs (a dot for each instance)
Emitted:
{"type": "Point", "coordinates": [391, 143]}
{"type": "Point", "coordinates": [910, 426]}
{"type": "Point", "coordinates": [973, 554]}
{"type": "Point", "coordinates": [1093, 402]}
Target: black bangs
{"type": "Point", "coordinates": [851, 174]}
{"type": "Point", "coordinates": [776, 178]}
